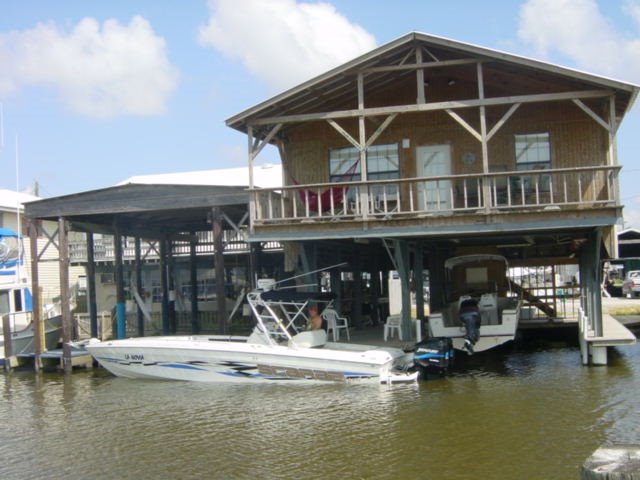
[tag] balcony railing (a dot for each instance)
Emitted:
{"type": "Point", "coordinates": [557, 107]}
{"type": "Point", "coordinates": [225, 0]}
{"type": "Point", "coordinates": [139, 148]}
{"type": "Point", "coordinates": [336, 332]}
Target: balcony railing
{"type": "Point", "coordinates": [584, 187]}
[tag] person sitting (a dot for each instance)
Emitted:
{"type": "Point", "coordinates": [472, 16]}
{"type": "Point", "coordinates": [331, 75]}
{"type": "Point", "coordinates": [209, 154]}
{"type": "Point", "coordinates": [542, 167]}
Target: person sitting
{"type": "Point", "coordinates": [315, 320]}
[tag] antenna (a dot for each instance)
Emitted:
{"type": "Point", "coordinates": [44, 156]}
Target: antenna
{"type": "Point", "coordinates": [311, 272]}
{"type": "Point", "coordinates": [18, 219]}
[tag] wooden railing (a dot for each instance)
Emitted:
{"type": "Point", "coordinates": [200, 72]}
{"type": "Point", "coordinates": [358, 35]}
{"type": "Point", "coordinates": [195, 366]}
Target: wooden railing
{"type": "Point", "coordinates": [104, 247]}
{"type": "Point", "coordinates": [584, 187]}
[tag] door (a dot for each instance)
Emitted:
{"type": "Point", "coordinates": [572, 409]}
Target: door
{"type": "Point", "coordinates": [434, 161]}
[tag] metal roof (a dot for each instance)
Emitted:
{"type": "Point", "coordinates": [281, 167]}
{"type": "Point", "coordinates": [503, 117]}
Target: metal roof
{"type": "Point", "coordinates": [147, 211]}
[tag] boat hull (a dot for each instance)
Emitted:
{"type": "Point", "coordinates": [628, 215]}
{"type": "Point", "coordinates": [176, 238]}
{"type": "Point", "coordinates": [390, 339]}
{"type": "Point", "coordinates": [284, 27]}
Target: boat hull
{"type": "Point", "coordinates": [22, 341]}
{"type": "Point", "coordinates": [234, 360]}
{"type": "Point", "coordinates": [491, 336]}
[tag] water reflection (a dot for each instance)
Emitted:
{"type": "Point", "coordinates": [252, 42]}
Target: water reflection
{"type": "Point", "coordinates": [498, 416]}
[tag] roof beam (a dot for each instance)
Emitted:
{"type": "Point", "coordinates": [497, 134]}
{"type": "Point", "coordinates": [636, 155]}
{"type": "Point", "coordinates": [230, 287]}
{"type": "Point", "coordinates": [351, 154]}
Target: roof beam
{"type": "Point", "coordinates": [435, 106]}
{"type": "Point", "coordinates": [420, 65]}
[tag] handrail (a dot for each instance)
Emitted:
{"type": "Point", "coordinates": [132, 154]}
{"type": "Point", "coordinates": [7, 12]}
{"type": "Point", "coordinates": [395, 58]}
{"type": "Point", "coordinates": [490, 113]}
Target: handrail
{"type": "Point", "coordinates": [561, 187]}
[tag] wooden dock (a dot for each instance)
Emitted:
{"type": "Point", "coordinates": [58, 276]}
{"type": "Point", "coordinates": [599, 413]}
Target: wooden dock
{"type": "Point", "coordinates": [51, 359]}
{"type": "Point", "coordinates": [594, 347]}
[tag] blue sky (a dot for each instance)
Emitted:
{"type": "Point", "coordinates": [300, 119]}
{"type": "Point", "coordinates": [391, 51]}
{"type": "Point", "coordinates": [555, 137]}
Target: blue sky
{"type": "Point", "coordinates": [94, 92]}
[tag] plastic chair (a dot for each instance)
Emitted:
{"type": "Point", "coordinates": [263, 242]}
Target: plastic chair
{"type": "Point", "coordinates": [392, 325]}
{"type": "Point", "coordinates": [335, 323]}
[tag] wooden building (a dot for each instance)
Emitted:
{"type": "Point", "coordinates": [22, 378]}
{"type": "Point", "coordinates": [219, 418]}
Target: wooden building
{"type": "Point", "coordinates": [427, 148]}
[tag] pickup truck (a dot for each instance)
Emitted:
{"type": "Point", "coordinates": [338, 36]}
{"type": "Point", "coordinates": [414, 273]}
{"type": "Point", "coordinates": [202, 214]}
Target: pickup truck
{"type": "Point", "coordinates": [631, 284]}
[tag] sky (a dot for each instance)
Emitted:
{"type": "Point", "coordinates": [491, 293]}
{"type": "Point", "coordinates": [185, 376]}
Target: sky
{"type": "Point", "coordinates": [93, 92]}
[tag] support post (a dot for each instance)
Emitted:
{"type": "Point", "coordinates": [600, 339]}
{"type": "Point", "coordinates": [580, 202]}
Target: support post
{"type": "Point", "coordinates": [401, 252]}
{"type": "Point", "coordinates": [219, 267]}
{"type": "Point", "coordinates": [138, 267]}
{"type": "Point", "coordinates": [91, 286]}
{"type": "Point", "coordinates": [63, 230]}
{"type": "Point", "coordinates": [36, 312]}
{"type": "Point", "coordinates": [418, 269]}
{"type": "Point", "coordinates": [375, 294]}
{"type": "Point", "coordinates": [336, 288]}
{"type": "Point", "coordinates": [121, 319]}
{"type": "Point", "coordinates": [164, 287]}
{"type": "Point", "coordinates": [171, 282]}
{"type": "Point", "coordinates": [193, 270]}
{"type": "Point", "coordinates": [9, 359]}
{"type": "Point", "coordinates": [356, 305]}
{"type": "Point", "coordinates": [254, 264]}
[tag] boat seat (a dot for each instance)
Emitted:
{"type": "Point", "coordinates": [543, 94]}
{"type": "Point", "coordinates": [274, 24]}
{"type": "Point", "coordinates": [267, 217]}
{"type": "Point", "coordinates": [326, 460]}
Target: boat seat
{"type": "Point", "coordinates": [309, 339]}
{"type": "Point", "coordinates": [488, 306]}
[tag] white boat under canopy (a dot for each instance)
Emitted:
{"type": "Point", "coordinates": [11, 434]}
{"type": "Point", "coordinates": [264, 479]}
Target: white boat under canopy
{"type": "Point", "coordinates": [479, 280]}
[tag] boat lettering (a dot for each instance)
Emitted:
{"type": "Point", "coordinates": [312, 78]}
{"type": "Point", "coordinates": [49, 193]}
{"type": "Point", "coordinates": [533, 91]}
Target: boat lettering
{"type": "Point", "coordinates": [134, 357]}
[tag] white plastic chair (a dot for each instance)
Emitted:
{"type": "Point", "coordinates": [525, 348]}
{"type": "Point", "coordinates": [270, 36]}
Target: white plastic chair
{"type": "Point", "coordinates": [335, 323]}
{"type": "Point", "coordinates": [392, 325]}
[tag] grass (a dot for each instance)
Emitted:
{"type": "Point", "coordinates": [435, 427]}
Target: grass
{"type": "Point", "coordinates": [625, 311]}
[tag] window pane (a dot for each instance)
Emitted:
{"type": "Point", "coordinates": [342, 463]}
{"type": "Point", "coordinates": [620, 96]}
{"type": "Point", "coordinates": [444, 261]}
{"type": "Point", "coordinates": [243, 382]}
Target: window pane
{"type": "Point", "coordinates": [533, 152]}
{"type": "Point", "coordinates": [532, 148]}
{"type": "Point", "coordinates": [381, 159]}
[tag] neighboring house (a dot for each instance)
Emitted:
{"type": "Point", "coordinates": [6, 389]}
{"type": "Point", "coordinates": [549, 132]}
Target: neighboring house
{"type": "Point", "coordinates": [264, 176]}
{"type": "Point", "coordinates": [12, 217]}
{"type": "Point", "coordinates": [629, 243]}
{"type": "Point", "coordinates": [445, 148]}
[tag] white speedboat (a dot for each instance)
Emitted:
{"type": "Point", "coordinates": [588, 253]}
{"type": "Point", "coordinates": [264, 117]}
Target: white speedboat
{"type": "Point", "coordinates": [279, 349]}
{"type": "Point", "coordinates": [477, 283]}
{"type": "Point", "coordinates": [16, 303]}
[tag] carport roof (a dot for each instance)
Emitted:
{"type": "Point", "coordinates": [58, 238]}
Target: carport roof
{"type": "Point", "coordinates": [146, 211]}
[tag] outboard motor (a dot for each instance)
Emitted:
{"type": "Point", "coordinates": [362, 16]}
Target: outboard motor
{"type": "Point", "coordinates": [470, 317]}
{"type": "Point", "coordinates": [433, 355]}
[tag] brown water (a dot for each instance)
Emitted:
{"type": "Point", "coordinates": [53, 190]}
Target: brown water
{"type": "Point", "coordinates": [525, 413]}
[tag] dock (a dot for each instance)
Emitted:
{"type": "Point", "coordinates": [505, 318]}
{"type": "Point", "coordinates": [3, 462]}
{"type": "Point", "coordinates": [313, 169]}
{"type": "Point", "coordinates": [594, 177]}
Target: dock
{"type": "Point", "coordinates": [51, 359]}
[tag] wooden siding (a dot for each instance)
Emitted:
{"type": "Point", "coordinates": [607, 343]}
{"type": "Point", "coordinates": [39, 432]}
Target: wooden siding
{"type": "Point", "coordinates": [576, 140]}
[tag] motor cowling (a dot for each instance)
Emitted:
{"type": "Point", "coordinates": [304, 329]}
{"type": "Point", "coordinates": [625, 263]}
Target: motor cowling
{"type": "Point", "coordinates": [471, 319]}
{"type": "Point", "coordinates": [434, 356]}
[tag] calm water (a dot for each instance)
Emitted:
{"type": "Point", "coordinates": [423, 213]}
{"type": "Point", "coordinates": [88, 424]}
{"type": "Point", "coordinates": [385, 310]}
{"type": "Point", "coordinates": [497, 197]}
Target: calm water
{"type": "Point", "coordinates": [527, 413]}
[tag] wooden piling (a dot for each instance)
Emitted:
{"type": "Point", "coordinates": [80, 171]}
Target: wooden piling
{"type": "Point", "coordinates": [9, 359]}
{"type": "Point", "coordinates": [616, 462]}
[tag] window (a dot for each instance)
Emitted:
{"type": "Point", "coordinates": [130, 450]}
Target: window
{"type": "Point", "coordinates": [383, 162]}
{"type": "Point", "coordinates": [533, 152]}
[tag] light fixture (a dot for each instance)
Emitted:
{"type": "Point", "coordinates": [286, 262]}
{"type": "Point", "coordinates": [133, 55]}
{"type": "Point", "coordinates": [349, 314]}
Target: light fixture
{"type": "Point", "coordinates": [451, 82]}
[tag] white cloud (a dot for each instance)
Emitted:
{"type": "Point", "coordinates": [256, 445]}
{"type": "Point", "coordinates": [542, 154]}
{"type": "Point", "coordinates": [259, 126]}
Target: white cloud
{"type": "Point", "coordinates": [98, 70]}
{"type": "Point", "coordinates": [578, 30]}
{"type": "Point", "coordinates": [283, 42]}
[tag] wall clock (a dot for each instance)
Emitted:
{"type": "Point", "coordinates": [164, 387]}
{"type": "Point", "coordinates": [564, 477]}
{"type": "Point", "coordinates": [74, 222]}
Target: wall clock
{"type": "Point", "coordinates": [468, 158]}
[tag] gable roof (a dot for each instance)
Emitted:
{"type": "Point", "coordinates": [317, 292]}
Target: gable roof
{"type": "Point", "coordinates": [10, 200]}
{"type": "Point", "coordinates": [336, 89]}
